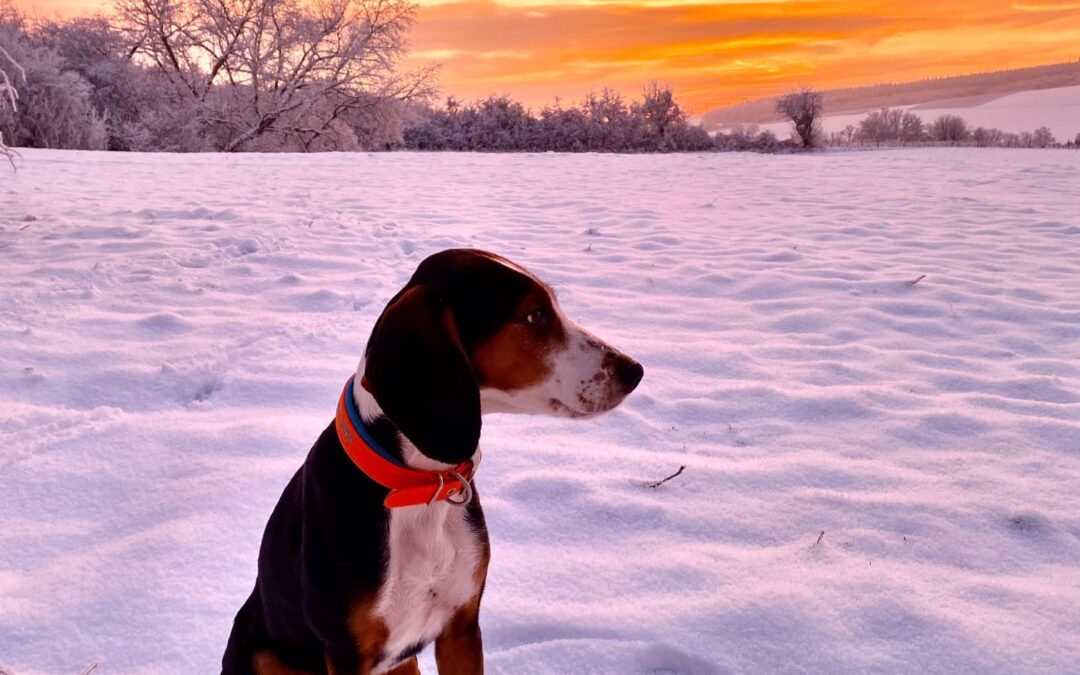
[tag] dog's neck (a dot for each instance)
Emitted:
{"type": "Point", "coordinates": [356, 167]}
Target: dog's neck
{"type": "Point", "coordinates": [371, 412]}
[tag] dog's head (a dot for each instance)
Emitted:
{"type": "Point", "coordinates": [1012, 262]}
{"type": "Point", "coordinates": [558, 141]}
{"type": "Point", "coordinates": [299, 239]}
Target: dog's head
{"type": "Point", "coordinates": [473, 333]}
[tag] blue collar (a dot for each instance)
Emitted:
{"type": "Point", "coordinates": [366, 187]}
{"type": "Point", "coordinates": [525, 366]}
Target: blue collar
{"type": "Point", "coordinates": [361, 428]}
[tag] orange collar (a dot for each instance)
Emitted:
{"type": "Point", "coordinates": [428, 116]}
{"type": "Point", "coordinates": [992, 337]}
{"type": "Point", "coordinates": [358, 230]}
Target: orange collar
{"type": "Point", "coordinates": [408, 486]}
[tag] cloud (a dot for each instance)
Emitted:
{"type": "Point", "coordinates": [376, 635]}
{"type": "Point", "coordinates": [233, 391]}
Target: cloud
{"type": "Point", "coordinates": [718, 52]}
{"type": "Point", "coordinates": [724, 52]}
{"type": "Point", "coordinates": [1046, 6]}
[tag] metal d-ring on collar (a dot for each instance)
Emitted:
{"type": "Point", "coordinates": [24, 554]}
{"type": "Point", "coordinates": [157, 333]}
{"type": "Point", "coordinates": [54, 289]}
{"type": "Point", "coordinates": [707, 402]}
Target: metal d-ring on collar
{"type": "Point", "coordinates": [466, 489]}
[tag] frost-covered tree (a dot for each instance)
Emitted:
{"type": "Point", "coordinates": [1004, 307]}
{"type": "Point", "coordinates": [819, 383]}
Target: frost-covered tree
{"type": "Point", "coordinates": [601, 123]}
{"type": "Point", "coordinates": [137, 105]}
{"type": "Point", "coordinates": [949, 129]}
{"type": "Point", "coordinates": [380, 125]}
{"type": "Point", "coordinates": [564, 129]}
{"type": "Point", "coordinates": [610, 123]}
{"type": "Point", "coordinates": [281, 68]}
{"type": "Point", "coordinates": [661, 116]}
{"type": "Point", "coordinates": [659, 124]}
{"type": "Point", "coordinates": [1043, 138]}
{"type": "Point", "coordinates": [742, 138]}
{"type": "Point", "coordinates": [8, 96]}
{"type": "Point", "coordinates": [890, 125]}
{"type": "Point", "coordinates": [803, 109]}
{"type": "Point", "coordinates": [985, 138]}
{"type": "Point", "coordinates": [875, 127]}
{"type": "Point", "coordinates": [845, 136]}
{"type": "Point", "coordinates": [912, 129]}
{"type": "Point", "coordinates": [501, 124]}
{"type": "Point", "coordinates": [54, 108]}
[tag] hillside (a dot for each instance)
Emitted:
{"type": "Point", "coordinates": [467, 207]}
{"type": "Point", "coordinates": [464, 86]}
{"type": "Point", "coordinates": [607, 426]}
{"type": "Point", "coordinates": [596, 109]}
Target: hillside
{"type": "Point", "coordinates": [1057, 109]}
{"type": "Point", "coordinates": [862, 99]}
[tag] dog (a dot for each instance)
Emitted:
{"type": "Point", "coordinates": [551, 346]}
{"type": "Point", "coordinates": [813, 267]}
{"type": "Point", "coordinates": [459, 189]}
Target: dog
{"type": "Point", "coordinates": [378, 547]}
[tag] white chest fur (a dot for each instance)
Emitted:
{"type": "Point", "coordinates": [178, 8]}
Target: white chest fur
{"type": "Point", "coordinates": [430, 574]}
{"type": "Point", "coordinates": [434, 555]}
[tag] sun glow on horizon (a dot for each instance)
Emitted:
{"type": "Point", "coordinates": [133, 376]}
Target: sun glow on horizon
{"type": "Point", "coordinates": [717, 52]}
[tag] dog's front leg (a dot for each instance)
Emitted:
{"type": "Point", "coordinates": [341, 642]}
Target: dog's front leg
{"type": "Point", "coordinates": [459, 650]}
{"type": "Point", "coordinates": [348, 661]}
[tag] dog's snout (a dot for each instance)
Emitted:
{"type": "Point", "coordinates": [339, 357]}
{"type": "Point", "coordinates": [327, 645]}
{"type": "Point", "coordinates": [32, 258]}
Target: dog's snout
{"type": "Point", "coordinates": [629, 372]}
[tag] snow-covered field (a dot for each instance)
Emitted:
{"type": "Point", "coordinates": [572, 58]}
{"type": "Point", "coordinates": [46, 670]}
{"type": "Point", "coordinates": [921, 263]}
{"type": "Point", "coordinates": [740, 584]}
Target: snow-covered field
{"type": "Point", "coordinates": [174, 332]}
{"type": "Point", "coordinates": [1057, 109]}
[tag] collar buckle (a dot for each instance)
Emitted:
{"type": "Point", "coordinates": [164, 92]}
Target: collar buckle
{"type": "Point", "coordinates": [408, 486]}
{"type": "Point", "coordinates": [466, 489]}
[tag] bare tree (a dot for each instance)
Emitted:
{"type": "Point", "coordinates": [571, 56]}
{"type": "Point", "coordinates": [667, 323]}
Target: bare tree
{"type": "Point", "coordinates": [608, 123]}
{"type": "Point", "coordinates": [912, 129]}
{"type": "Point", "coordinates": [54, 108]}
{"type": "Point", "coordinates": [1043, 138]}
{"type": "Point", "coordinates": [661, 115]}
{"type": "Point", "coordinates": [891, 125]}
{"type": "Point", "coordinates": [804, 109]}
{"type": "Point", "coordinates": [949, 129]}
{"type": "Point", "coordinates": [846, 136]}
{"type": "Point", "coordinates": [286, 67]}
{"type": "Point", "coordinates": [874, 128]}
{"type": "Point", "coordinates": [8, 96]}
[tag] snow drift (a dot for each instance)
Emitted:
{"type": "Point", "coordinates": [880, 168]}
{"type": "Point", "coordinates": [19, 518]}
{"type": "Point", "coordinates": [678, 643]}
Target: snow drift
{"type": "Point", "coordinates": [869, 364]}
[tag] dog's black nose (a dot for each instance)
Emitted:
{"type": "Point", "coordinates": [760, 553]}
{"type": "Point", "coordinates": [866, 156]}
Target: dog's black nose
{"type": "Point", "coordinates": [629, 372]}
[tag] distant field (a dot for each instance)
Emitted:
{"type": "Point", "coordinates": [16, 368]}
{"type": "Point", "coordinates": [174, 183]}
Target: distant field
{"type": "Point", "coordinates": [1058, 109]}
{"type": "Point", "coordinates": [864, 99]}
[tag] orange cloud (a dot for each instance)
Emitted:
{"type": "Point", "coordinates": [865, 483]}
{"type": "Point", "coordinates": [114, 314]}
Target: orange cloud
{"type": "Point", "coordinates": [717, 52]}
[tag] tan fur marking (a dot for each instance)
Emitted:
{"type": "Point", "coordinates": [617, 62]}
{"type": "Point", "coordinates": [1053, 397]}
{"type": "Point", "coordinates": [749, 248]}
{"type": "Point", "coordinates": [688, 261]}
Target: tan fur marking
{"type": "Point", "coordinates": [409, 667]}
{"type": "Point", "coordinates": [460, 649]}
{"type": "Point", "coordinates": [267, 663]}
{"type": "Point", "coordinates": [516, 357]}
{"type": "Point", "coordinates": [369, 633]}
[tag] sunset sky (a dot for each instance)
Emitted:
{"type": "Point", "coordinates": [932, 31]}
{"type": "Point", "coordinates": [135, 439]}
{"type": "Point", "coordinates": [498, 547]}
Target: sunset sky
{"type": "Point", "coordinates": [714, 53]}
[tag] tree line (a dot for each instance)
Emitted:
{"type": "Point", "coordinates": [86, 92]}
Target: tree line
{"type": "Point", "coordinates": [295, 75]}
{"type": "Point", "coordinates": [601, 122]}
{"type": "Point", "coordinates": [289, 75]}
{"type": "Point", "coordinates": [899, 127]}
{"type": "Point", "coordinates": [212, 75]}
{"type": "Point", "coordinates": [894, 126]}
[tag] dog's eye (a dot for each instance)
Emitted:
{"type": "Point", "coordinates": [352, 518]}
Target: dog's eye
{"type": "Point", "coordinates": [538, 319]}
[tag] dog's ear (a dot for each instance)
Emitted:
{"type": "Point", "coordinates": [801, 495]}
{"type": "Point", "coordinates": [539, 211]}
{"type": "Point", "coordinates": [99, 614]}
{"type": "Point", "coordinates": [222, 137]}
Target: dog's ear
{"type": "Point", "coordinates": [419, 374]}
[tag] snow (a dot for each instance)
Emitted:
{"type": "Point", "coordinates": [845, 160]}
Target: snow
{"type": "Point", "coordinates": [174, 332]}
{"type": "Point", "coordinates": [1057, 109]}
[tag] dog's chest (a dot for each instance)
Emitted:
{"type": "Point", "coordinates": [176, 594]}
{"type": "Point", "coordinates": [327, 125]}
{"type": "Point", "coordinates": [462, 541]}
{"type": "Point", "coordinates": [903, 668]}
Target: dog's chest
{"type": "Point", "coordinates": [431, 573]}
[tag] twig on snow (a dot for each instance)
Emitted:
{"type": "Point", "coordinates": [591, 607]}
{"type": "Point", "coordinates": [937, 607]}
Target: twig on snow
{"type": "Point", "coordinates": [916, 280]}
{"type": "Point", "coordinates": [89, 669]}
{"type": "Point", "coordinates": [661, 482]}
{"type": "Point", "coordinates": [820, 537]}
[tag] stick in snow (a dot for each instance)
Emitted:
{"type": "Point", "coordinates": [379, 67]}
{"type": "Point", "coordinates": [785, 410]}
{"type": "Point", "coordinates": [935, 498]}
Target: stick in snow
{"type": "Point", "coordinates": [661, 482]}
{"type": "Point", "coordinates": [917, 280]}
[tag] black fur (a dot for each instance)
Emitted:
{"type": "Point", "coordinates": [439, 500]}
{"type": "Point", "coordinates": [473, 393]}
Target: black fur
{"type": "Point", "coordinates": [325, 545]}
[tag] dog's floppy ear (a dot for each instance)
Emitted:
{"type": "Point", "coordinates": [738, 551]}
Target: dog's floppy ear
{"type": "Point", "coordinates": [419, 374]}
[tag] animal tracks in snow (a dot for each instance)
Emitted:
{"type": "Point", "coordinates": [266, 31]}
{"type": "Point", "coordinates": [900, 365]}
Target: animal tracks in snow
{"type": "Point", "coordinates": [880, 345]}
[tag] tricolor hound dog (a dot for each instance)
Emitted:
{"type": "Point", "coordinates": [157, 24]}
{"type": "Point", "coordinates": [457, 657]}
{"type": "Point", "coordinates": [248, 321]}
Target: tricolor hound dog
{"type": "Point", "coordinates": [378, 545]}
